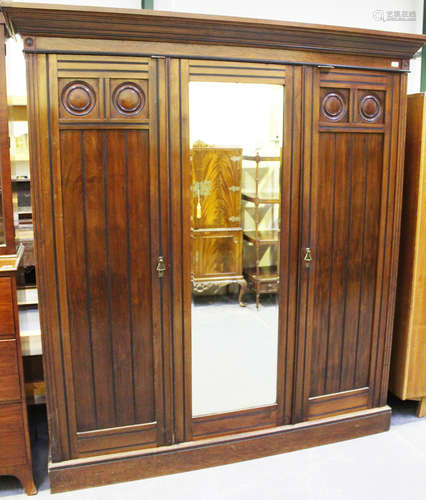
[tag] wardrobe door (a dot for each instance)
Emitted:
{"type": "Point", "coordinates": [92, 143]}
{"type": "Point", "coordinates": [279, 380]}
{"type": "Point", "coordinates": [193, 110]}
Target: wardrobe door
{"type": "Point", "coordinates": [231, 356]}
{"type": "Point", "coordinates": [351, 182]}
{"type": "Point", "coordinates": [98, 188]}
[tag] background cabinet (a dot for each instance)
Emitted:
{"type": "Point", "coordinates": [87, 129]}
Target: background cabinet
{"type": "Point", "coordinates": [216, 217]}
{"type": "Point", "coordinates": [15, 450]}
{"type": "Point", "coordinates": [408, 366]}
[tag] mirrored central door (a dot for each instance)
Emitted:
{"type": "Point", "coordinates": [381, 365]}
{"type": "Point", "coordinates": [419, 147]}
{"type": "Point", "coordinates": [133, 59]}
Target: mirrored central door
{"type": "Point", "coordinates": [236, 115]}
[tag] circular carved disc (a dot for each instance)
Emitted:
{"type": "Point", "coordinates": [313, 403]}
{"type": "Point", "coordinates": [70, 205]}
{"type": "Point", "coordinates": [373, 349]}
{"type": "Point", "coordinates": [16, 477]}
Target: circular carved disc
{"type": "Point", "coordinates": [370, 108]}
{"type": "Point", "coordinates": [78, 98]}
{"type": "Point", "coordinates": [333, 106]}
{"type": "Point", "coordinates": [128, 98]}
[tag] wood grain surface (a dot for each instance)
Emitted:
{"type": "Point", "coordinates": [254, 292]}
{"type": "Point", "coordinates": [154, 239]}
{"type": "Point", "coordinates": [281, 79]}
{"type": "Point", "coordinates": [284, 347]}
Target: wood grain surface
{"type": "Point", "coordinates": [109, 136]}
{"type": "Point", "coordinates": [89, 22]}
{"type": "Point", "coordinates": [408, 366]}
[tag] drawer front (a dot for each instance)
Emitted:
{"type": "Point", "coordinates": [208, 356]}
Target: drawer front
{"type": "Point", "coordinates": [9, 374]}
{"type": "Point", "coordinates": [12, 436]}
{"type": "Point", "coordinates": [269, 287]}
{"type": "Point", "coordinates": [7, 321]}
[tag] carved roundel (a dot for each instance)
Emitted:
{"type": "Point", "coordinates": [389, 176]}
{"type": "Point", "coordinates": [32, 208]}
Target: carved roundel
{"type": "Point", "coordinates": [333, 106]}
{"type": "Point", "coordinates": [78, 98]}
{"type": "Point", "coordinates": [370, 108]}
{"type": "Point", "coordinates": [128, 98]}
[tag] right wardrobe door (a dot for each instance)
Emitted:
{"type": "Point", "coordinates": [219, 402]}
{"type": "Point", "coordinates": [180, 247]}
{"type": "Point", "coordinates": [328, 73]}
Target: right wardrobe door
{"type": "Point", "coordinates": [350, 181]}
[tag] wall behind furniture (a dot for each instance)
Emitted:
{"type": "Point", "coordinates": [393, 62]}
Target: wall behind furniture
{"type": "Point", "coordinates": [368, 14]}
{"type": "Point", "coordinates": [15, 64]}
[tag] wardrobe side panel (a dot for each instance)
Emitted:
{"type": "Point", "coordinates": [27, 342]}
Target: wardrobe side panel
{"type": "Point", "coordinates": [44, 245]}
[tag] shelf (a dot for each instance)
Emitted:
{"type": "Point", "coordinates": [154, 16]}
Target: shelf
{"type": "Point", "coordinates": [250, 174]}
{"type": "Point", "coordinates": [31, 343]}
{"type": "Point", "coordinates": [30, 333]}
{"type": "Point", "coordinates": [25, 161]}
{"type": "Point", "coordinates": [261, 210]}
{"type": "Point", "coordinates": [267, 273]}
{"type": "Point", "coordinates": [27, 296]}
{"type": "Point", "coordinates": [39, 400]}
{"type": "Point", "coordinates": [11, 262]}
{"type": "Point", "coordinates": [26, 225]}
{"type": "Point", "coordinates": [19, 159]}
{"type": "Point", "coordinates": [17, 100]}
{"type": "Point", "coordinates": [25, 220]}
{"type": "Point", "coordinates": [271, 237]}
{"type": "Point", "coordinates": [262, 158]}
{"type": "Point", "coordinates": [21, 179]}
{"type": "Point", "coordinates": [35, 392]}
{"type": "Point", "coordinates": [262, 197]}
{"type": "Point", "coordinates": [17, 108]}
{"type": "Point", "coordinates": [24, 234]}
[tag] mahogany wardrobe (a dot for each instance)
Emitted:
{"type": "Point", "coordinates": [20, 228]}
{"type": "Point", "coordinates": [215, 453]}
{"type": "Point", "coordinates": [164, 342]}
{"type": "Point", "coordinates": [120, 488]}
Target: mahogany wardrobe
{"type": "Point", "coordinates": [148, 372]}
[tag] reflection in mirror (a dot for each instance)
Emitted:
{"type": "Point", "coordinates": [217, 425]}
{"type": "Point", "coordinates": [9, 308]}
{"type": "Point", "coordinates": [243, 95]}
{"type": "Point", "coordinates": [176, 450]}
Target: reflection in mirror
{"type": "Point", "coordinates": [236, 148]}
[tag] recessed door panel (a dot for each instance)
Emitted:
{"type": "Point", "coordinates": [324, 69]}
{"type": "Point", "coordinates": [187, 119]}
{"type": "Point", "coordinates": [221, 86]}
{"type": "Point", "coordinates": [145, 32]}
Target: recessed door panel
{"type": "Point", "coordinates": [106, 180]}
{"type": "Point", "coordinates": [216, 253]}
{"type": "Point", "coordinates": [346, 260]}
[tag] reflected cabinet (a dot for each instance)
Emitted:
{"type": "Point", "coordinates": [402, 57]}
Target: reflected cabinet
{"type": "Point", "coordinates": [217, 221]}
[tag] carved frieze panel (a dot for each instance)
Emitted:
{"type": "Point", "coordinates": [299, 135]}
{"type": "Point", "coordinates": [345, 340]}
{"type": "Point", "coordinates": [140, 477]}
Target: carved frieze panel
{"type": "Point", "coordinates": [334, 105]}
{"type": "Point", "coordinates": [79, 98]}
{"type": "Point", "coordinates": [128, 99]}
{"type": "Point", "coordinates": [104, 98]}
{"type": "Point", "coordinates": [370, 106]}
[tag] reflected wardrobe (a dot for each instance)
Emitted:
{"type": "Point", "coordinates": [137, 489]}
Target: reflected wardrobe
{"type": "Point", "coordinates": [217, 221]}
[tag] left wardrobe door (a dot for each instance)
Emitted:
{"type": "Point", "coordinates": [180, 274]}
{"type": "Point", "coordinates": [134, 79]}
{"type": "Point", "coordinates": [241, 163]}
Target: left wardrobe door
{"type": "Point", "coordinates": [96, 175]}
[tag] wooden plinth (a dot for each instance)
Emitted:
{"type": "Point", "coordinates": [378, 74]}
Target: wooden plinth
{"type": "Point", "coordinates": [129, 466]}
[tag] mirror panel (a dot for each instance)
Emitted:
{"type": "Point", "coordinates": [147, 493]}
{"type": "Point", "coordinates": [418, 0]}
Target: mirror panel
{"type": "Point", "coordinates": [236, 132]}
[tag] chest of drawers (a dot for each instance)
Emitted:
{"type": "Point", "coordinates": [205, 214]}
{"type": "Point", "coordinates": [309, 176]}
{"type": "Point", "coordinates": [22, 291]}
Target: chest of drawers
{"type": "Point", "coordinates": [15, 451]}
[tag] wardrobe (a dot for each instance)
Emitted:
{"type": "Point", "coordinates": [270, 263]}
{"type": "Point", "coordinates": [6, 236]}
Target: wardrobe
{"type": "Point", "coordinates": [143, 377]}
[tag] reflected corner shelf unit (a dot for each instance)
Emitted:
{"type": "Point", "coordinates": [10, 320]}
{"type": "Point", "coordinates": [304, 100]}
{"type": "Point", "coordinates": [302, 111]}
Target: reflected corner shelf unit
{"type": "Point", "coordinates": [262, 278]}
